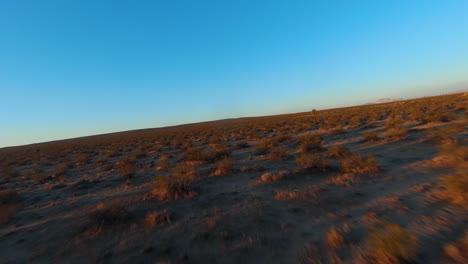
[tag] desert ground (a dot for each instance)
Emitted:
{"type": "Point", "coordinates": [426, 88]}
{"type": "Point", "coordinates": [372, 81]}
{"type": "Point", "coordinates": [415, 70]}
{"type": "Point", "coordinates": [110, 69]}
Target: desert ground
{"type": "Point", "coordinates": [380, 183]}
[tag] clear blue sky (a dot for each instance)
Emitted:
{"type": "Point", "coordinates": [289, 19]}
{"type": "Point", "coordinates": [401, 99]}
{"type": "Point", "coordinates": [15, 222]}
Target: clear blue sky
{"type": "Point", "coordinates": [74, 68]}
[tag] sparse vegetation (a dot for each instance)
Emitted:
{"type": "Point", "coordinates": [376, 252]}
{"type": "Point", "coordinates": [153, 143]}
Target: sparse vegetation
{"type": "Point", "coordinates": [392, 243]}
{"type": "Point", "coordinates": [357, 164]}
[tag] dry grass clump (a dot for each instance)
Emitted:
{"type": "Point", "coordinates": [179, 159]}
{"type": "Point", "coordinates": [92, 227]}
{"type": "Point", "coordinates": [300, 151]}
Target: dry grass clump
{"type": "Point", "coordinates": [335, 238]}
{"type": "Point", "coordinates": [157, 218]}
{"type": "Point", "coordinates": [241, 145]}
{"type": "Point", "coordinates": [393, 121]}
{"type": "Point", "coordinates": [40, 177]}
{"type": "Point", "coordinates": [9, 205]}
{"type": "Point", "coordinates": [8, 173]}
{"type": "Point", "coordinates": [127, 167]}
{"type": "Point", "coordinates": [357, 164]}
{"type": "Point", "coordinates": [223, 167]}
{"type": "Point", "coordinates": [82, 158]}
{"type": "Point", "coordinates": [339, 151]}
{"type": "Point", "coordinates": [140, 154]}
{"type": "Point", "coordinates": [397, 133]}
{"type": "Point", "coordinates": [106, 215]}
{"type": "Point", "coordinates": [278, 153]}
{"type": "Point", "coordinates": [168, 188]}
{"type": "Point", "coordinates": [310, 194]}
{"type": "Point", "coordinates": [391, 243]}
{"type": "Point", "coordinates": [272, 177]}
{"type": "Point", "coordinates": [163, 163]}
{"type": "Point", "coordinates": [311, 161]}
{"type": "Point", "coordinates": [445, 134]}
{"type": "Point", "coordinates": [186, 171]}
{"type": "Point", "coordinates": [452, 155]}
{"type": "Point", "coordinates": [310, 143]}
{"type": "Point", "coordinates": [198, 156]}
{"type": "Point", "coordinates": [456, 186]}
{"type": "Point", "coordinates": [371, 137]}
{"type": "Point", "coordinates": [458, 251]}
{"type": "Point", "coordinates": [263, 146]}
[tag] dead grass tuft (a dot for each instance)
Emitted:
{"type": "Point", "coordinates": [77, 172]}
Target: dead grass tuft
{"type": "Point", "coordinates": [158, 218]}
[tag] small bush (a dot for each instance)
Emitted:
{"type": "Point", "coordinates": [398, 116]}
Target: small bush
{"type": "Point", "coordinates": [107, 215]}
{"type": "Point", "coordinates": [445, 134]}
{"type": "Point", "coordinates": [371, 137]}
{"type": "Point", "coordinates": [391, 243]}
{"type": "Point", "coordinates": [310, 143]}
{"type": "Point", "coordinates": [8, 173]}
{"type": "Point", "coordinates": [456, 186]}
{"type": "Point", "coordinates": [263, 146]}
{"type": "Point", "coordinates": [458, 251]}
{"type": "Point", "coordinates": [241, 145]}
{"type": "Point", "coordinates": [82, 158]}
{"type": "Point", "coordinates": [127, 167]}
{"type": "Point", "coordinates": [166, 188]}
{"type": "Point", "coordinates": [223, 167]}
{"type": "Point", "coordinates": [163, 163]}
{"type": "Point", "coordinates": [307, 195]}
{"type": "Point", "coordinates": [311, 161]}
{"type": "Point", "coordinates": [140, 154]}
{"type": "Point", "coordinates": [186, 171]}
{"type": "Point", "coordinates": [452, 155]}
{"type": "Point", "coordinates": [335, 239]}
{"type": "Point", "coordinates": [340, 151]}
{"type": "Point", "coordinates": [397, 133]}
{"type": "Point", "coordinates": [357, 164]}
{"type": "Point", "coordinates": [272, 176]}
{"type": "Point", "coordinates": [278, 153]}
{"type": "Point", "coordinates": [158, 218]}
{"type": "Point", "coordinates": [40, 177]}
{"type": "Point", "coordinates": [9, 205]}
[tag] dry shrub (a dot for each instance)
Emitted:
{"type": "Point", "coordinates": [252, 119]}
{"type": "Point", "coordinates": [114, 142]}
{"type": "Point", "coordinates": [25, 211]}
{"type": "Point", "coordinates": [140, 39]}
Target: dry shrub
{"type": "Point", "coordinates": [272, 176]}
{"type": "Point", "coordinates": [241, 145]}
{"type": "Point", "coordinates": [311, 161]}
{"type": "Point", "coordinates": [9, 205]}
{"type": "Point", "coordinates": [458, 251]}
{"type": "Point", "coordinates": [310, 194]}
{"type": "Point", "coordinates": [371, 137]}
{"type": "Point", "coordinates": [263, 146]}
{"type": "Point", "coordinates": [391, 243]}
{"type": "Point", "coordinates": [335, 238]}
{"type": "Point", "coordinates": [397, 133]}
{"type": "Point", "coordinates": [40, 177]}
{"type": "Point", "coordinates": [163, 163]}
{"type": "Point", "coordinates": [158, 218]}
{"type": "Point", "coordinates": [82, 158]}
{"type": "Point", "coordinates": [8, 173]}
{"type": "Point", "coordinates": [339, 151]}
{"type": "Point", "coordinates": [452, 154]}
{"type": "Point", "coordinates": [310, 143]}
{"type": "Point", "coordinates": [456, 186]}
{"type": "Point", "coordinates": [393, 122]}
{"type": "Point", "coordinates": [278, 153]}
{"type": "Point", "coordinates": [357, 164]}
{"type": "Point", "coordinates": [127, 167]}
{"type": "Point", "coordinates": [345, 179]}
{"type": "Point", "coordinates": [200, 157]}
{"type": "Point", "coordinates": [186, 171]}
{"type": "Point", "coordinates": [223, 167]}
{"type": "Point", "coordinates": [140, 154]}
{"type": "Point", "coordinates": [106, 215]}
{"type": "Point", "coordinates": [337, 131]}
{"type": "Point", "coordinates": [445, 134]}
{"type": "Point", "coordinates": [167, 188]}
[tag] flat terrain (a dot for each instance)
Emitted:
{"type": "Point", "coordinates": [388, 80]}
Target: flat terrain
{"type": "Point", "coordinates": [382, 183]}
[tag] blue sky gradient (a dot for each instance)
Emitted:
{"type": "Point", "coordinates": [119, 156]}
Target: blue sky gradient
{"type": "Point", "coordinates": [76, 68]}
